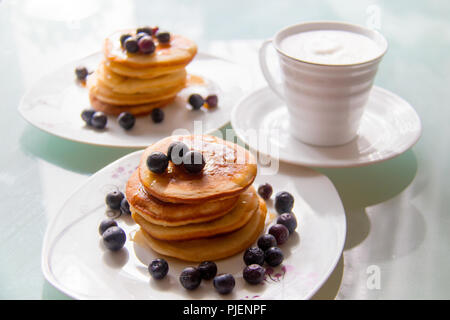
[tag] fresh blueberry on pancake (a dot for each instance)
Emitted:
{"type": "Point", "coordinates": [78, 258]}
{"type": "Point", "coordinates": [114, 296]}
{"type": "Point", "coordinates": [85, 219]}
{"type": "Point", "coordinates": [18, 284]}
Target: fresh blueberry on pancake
{"type": "Point", "coordinates": [280, 232]}
{"type": "Point", "coordinates": [267, 241]}
{"type": "Point", "coordinates": [81, 73]}
{"type": "Point", "coordinates": [274, 256]}
{"type": "Point", "coordinates": [265, 191]}
{"type": "Point", "coordinates": [146, 30]}
{"type": "Point", "coordinates": [106, 224]}
{"type": "Point", "coordinates": [190, 278]}
{"type": "Point", "coordinates": [254, 274]}
{"type": "Point", "coordinates": [123, 38]}
{"type": "Point", "coordinates": [99, 120]}
{"type": "Point", "coordinates": [86, 115]}
{"type": "Point", "coordinates": [157, 162]}
{"type": "Point", "coordinates": [131, 45]}
{"type": "Point", "coordinates": [284, 202]}
{"type": "Point", "coordinates": [126, 120]}
{"type": "Point", "coordinates": [114, 238]}
{"type": "Point", "coordinates": [208, 270]}
{"type": "Point", "coordinates": [254, 255]}
{"type": "Point", "coordinates": [288, 220]}
{"type": "Point", "coordinates": [193, 162]}
{"type": "Point", "coordinates": [125, 207]}
{"type": "Point", "coordinates": [224, 283]}
{"type": "Point", "coordinates": [212, 100]}
{"type": "Point", "coordinates": [140, 35]}
{"type": "Point", "coordinates": [158, 268]}
{"type": "Point", "coordinates": [163, 37]}
{"type": "Point", "coordinates": [114, 199]}
{"type": "Point", "coordinates": [196, 101]}
{"type": "Point", "coordinates": [157, 115]}
{"type": "Point", "coordinates": [146, 44]}
{"type": "Point", "coordinates": [176, 152]}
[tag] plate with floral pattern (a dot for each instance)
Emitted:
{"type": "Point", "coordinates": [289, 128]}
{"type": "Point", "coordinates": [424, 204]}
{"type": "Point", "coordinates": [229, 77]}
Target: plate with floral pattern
{"type": "Point", "coordinates": [75, 261]}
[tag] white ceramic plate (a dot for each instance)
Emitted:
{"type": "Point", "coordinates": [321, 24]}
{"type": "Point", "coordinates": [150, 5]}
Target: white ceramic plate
{"type": "Point", "coordinates": [75, 261]}
{"type": "Point", "coordinates": [389, 127]}
{"type": "Point", "coordinates": [55, 103]}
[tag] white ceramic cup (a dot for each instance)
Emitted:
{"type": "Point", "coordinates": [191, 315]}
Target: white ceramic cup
{"type": "Point", "coordinates": [325, 102]}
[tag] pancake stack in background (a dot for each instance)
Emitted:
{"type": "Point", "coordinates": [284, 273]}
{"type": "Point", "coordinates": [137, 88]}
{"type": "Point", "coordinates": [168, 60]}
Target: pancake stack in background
{"type": "Point", "coordinates": [209, 215]}
{"type": "Point", "coordinates": [139, 82]}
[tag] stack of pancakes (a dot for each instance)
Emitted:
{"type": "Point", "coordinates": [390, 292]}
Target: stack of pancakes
{"type": "Point", "coordinates": [197, 217]}
{"type": "Point", "coordinates": [138, 82]}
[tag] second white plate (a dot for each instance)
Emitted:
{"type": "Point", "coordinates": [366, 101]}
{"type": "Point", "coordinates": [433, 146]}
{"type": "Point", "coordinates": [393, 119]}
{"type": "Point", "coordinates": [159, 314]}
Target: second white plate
{"type": "Point", "coordinates": [75, 261]}
{"type": "Point", "coordinates": [55, 104]}
{"type": "Point", "coordinates": [389, 127]}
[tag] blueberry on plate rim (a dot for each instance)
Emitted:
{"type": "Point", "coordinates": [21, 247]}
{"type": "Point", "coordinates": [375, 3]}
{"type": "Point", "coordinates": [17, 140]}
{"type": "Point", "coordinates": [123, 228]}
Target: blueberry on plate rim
{"type": "Point", "coordinates": [158, 268]}
{"type": "Point", "coordinates": [113, 199]}
{"type": "Point", "coordinates": [224, 283]}
{"type": "Point", "coordinates": [208, 270]}
{"type": "Point", "coordinates": [105, 225]}
{"type": "Point", "coordinates": [280, 232]}
{"type": "Point", "coordinates": [190, 278]}
{"type": "Point", "coordinates": [126, 120]}
{"type": "Point", "coordinates": [254, 255]}
{"type": "Point", "coordinates": [254, 274]}
{"type": "Point", "coordinates": [284, 202]}
{"type": "Point", "coordinates": [114, 238]}
{"type": "Point", "coordinates": [157, 115]}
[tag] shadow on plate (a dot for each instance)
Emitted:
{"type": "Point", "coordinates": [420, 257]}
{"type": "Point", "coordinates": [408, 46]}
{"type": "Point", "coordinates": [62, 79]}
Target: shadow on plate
{"type": "Point", "coordinates": [73, 156]}
{"type": "Point", "coordinates": [330, 288]}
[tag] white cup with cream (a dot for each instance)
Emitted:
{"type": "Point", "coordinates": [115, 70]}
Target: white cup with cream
{"type": "Point", "coordinates": [327, 72]}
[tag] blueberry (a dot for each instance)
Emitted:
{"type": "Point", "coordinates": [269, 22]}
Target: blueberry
{"type": "Point", "coordinates": [158, 268]}
{"type": "Point", "coordinates": [196, 101]}
{"type": "Point", "coordinates": [86, 115]}
{"type": "Point", "coordinates": [274, 256]}
{"type": "Point", "coordinates": [176, 152]}
{"type": "Point", "coordinates": [265, 191]}
{"type": "Point", "coordinates": [146, 30]}
{"type": "Point", "coordinates": [81, 73]}
{"type": "Point", "coordinates": [284, 202]}
{"type": "Point", "coordinates": [280, 232]}
{"type": "Point", "coordinates": [114, 238]}
{"type": "Point", "coordinates": [266, 241]}
{"type": "Point", "coordinates": [254, 255]}
{"type": "Point", "coordinates": [190, 278]}
{"type": "Point", "coordinates": [208, 270]}
{"type": "Point", "coordinates": [224, 283]}
{"type": "Point", "coordinates": [131, 45]}
{"type": "Point", "coordinates": [254, 273]}
{"type": "Point", "coordinates": [106, 224]}
{"type": "Point", "coordinates": [193, 162]}
{"type": "Point", "coordinates": [157, 162]}
{"type": "Point", "coordinates": [163, 36]}
{"type": "Point", "coordinates": [99, 120]}
{"type": "Point", "coordinates": [288, 220]}
{"type": "Point", "coordinates": [212, 100]}
{"type": "Point", "coordinates": [123, 38]}
{"type": "Point", "coordinates": [157, 115]}
{"type": "Point", "coordinates": [139, 35]}
{"type": "Point", "coordinates": [114, 199]}
{"type": "Point", "coordinates": [125, 207]}
{"type": "Point", "coordinates": [126, 120]}
{"type": "Point", "coordinates": [146, 45]}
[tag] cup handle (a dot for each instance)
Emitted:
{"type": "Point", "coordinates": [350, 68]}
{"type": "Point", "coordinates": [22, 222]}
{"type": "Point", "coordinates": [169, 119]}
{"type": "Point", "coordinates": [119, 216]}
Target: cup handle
{"type": "Point", "coordinates": [265, 69]}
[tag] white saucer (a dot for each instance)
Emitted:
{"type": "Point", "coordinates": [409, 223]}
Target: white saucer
{"type": "Point", "coordinates": [389, 127]}
{"type": "Point", "coordinates": [75, 261]}
{"type": "Point", "coordinates": [54, 105]}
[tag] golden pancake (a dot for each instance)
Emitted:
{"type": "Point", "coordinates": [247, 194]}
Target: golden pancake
{"type": "Point", "coordinates": [140, 73]}
{"type": "Point", "coordinates": [235, 219]}
{"type": "Point", "coordinates": [180, 51]}
{"type": "Point", "coordinates": [126, 85]}
{"type": "Point", "coordinates": [228, 171]}
{"type": "Point", "coordinates": [173, 214]}
{"type": "Point", "coordinates": [105, 94]}
{"type": "Point", "coordinates": [137, 110]}
{"type": "Point", "coordinates": [209, 249]}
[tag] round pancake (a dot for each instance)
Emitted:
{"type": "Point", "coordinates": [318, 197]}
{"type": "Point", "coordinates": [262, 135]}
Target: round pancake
{"type": "Point", "coordinates": [140, 73]}
{"type": "Point", "coordinates": [172, 214]}
{"type": "Point", "coordinates": [209, 249]}
{"type": "Point", "coordinates": [180, 51]}
{"type": "Point", "coordinates": [228, 171]}
{"type": "Point", "coordinates": [136, 110]}
{"type": "Point", "coordinates": [235, 219]}
{"type": "Point", "coordinates": [126, 85]}
{"type": "Point", "coordinates": [105, 94]}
